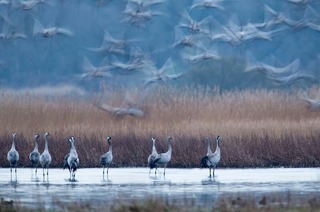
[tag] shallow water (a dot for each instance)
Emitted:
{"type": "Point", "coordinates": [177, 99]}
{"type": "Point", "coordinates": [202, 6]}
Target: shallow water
{"type": "Point", "coordinates": [128, 184]}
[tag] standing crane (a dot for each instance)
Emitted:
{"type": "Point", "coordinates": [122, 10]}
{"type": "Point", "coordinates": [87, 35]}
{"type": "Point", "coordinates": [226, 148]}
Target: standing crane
{"type": "Point", "coordinates": [212, 159]}
{"type": "Point", "coordinates": [152, 157]}
{"type": "Point", "coordinates": [106, 159]}
{"type": "Point", "coordinates": [73, 159]}
{"type": "Point", "coordinates": [45, 157]}
{"type": "Point", "coordinates": [34, 156]}
{"type": "Point", "coordinates": [164, 158]}
{"type": "Point", "coordinates": [13, 155]}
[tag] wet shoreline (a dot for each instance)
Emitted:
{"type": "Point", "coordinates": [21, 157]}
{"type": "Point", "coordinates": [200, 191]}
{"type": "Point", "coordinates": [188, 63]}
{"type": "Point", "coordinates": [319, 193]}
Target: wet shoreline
{"type": "Point", "coordinates": [135, 184]}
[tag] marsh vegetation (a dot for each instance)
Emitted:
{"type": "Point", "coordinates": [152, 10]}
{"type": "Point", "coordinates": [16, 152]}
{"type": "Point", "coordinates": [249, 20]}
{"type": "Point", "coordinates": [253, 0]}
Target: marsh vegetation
{"type": "Point", "coordinates": [259, 128]}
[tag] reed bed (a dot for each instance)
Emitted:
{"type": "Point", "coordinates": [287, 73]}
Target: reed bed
{"type": "Point", "coordinates": [259, 128]}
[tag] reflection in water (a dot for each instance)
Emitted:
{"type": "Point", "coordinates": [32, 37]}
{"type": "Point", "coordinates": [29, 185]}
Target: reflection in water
{"type": "Point", "coordinates": [106, 179]}
{"type": "Point", "coordinates": [15, 178]}
{"type": "Point", "coordinates": [210, 181]}
{"type": "Point", "coordinates": [34, 176]}
{"type": "Point", "coordinates": [14, 183]}
{"type": "Point", "coordinates": [106, 182]}
{"type": "Point", "coordinates": [45, 179]}
{"type": "Point", "coordinates": [34, 172]}
{"type": "Point", "coordinates": [180, 185]}
{"type": "Point", "coordinates": [72, 180]}
{"type": "Point", "coordinates": [159, 180]}
{"type": "Point", "coordinates": [72, 185]}
{"type": "Point", "coordinates": [35, 179]}
{"type": "Point", "coordinates": [45, 185]}
{"type": "Point", "coordinates": [155, 177]}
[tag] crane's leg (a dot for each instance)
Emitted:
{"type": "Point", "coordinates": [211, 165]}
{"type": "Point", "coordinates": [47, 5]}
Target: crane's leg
{"type": "Point", "coordinates": [209, 171]}
{"type": "Point", "coordinates": [107, 170]}
{"type": "Point", "coordinates": [43, 174]}
{"type": "Point", "coordinates": [11, 172]}
{"type": "Point", "coordinates": [164, 170]}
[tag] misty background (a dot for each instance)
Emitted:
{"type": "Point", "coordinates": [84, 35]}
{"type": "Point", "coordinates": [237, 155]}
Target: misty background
{"type": "Point", "coordinates": [36, 61]}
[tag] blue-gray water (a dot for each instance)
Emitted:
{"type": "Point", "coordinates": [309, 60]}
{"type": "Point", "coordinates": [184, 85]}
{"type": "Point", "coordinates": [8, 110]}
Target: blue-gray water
{"type": "Point", "coordinates": [57, 60]}
{"type": "Point", "coordinates": [180, 185]}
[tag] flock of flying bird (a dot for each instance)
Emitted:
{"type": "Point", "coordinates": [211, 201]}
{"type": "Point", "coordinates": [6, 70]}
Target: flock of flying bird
{"type": "Point", "coordinates": [198, 31]}
{"type": "Point", "coordinates": [71, 160]}
{"type": "Point", "coordinates": [193, 39]}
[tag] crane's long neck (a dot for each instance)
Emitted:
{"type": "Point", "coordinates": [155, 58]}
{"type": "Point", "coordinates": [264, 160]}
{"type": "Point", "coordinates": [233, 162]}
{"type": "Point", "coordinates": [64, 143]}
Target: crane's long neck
{"type": "Point", "coordinates": [45, 142]}
{"type": "Point", "coordinates": [36, 145]}
{"type": "Point", "coordinates": [110, 147]}
{"type": "Point", "coordinates": [169, 147]}
{"type": "Point", "coordinates": [218, 145]}
{"type": "Point", "coordinates": [154, 151]}
{"type": "Point", "coordinates": [209, 151]}
{"type": "Point", "coordinates": [73, 148]}
{"type": "Point", "coordinates": [13, 146]}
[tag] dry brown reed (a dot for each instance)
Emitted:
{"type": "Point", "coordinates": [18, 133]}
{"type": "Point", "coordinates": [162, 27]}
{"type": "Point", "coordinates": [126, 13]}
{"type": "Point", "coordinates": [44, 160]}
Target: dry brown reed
{"type": "Point", "coordinates": [259, 128]}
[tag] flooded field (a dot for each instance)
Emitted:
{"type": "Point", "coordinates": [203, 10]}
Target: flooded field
{"type": "Point", "coordinates": [179, 185]}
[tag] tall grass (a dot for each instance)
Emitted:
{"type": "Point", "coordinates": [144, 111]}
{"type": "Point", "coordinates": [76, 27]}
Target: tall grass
{"type": "Point", "coordinates": [259, 128]}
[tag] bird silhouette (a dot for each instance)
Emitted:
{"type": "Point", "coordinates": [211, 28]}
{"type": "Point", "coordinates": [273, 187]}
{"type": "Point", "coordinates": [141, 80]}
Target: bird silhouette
{"type": "Point", "coordinates": [34, 156]}
{"type": "Point", "coordinates": [164, 158]}
{"type": "Point", "coordinates": [13, 155]}
{"type": "Point", "coordinates": [212, 159]}
{"type": "Point", "coordinates": [73, 159]}
{"type": "Point", "coordinates": [152, 157]}
{"type": "Point", "coordinates": [45, 157]}
{"type": "Point", "coordinates": [106, 159]}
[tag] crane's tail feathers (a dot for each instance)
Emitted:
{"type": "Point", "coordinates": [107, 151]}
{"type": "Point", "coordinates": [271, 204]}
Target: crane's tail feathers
{"type": "Point", "coordinates": [203, 162]}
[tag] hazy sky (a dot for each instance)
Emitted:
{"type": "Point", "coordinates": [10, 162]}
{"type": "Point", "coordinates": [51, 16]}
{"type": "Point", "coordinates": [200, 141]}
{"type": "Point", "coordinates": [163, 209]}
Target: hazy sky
{"type": "Point", "coordinates": [36, 60]}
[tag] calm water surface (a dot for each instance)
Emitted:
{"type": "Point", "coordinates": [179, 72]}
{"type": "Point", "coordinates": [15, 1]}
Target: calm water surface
{"type": "Point", "coordinates": [128, 184]}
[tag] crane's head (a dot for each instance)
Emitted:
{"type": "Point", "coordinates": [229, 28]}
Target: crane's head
{"type": "Point", "coordinates": [108, 139]}
{"type": "Point", "coordinates": [36, 136]}
{"type": "Point", "coordinates": [153, 139]}
{"type": "Point", "coordinates": [46, 134]}
{"type": "Point", "coordinates": [14, 135]}
{"type": "Point", "coordinates": [218, 140]}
